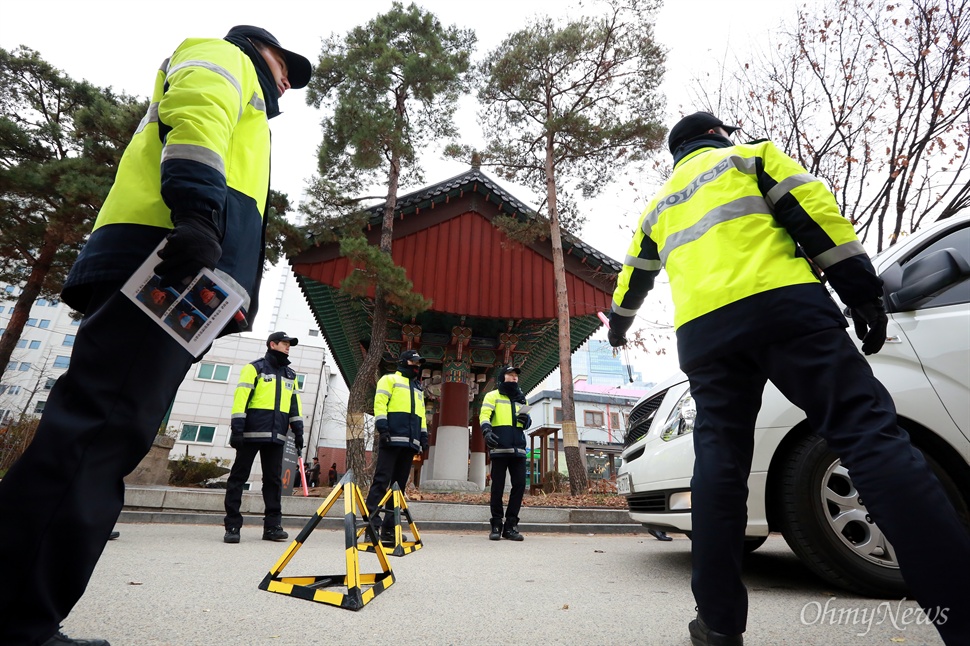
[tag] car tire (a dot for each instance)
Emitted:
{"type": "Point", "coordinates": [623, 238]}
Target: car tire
{"type": "Point", "coordinates": [810, 472]}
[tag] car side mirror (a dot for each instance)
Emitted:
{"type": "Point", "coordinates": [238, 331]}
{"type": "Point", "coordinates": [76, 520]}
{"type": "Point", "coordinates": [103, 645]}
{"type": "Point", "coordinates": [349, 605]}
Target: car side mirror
{"type": "Point", "coordinates": [929, 275]}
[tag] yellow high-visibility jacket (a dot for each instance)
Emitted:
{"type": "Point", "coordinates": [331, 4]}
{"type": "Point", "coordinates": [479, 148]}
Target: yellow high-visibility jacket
{"type": "Point", "coordinates": [732, 226]}
{"type": "Point", "coordinates": [499, 414]}
{"type": "Point", "coordinates": [204, 145]}
{"type": "Point", "coordinates": [399, 408]}
{"type": "Point", "coordinates": [266, 403]}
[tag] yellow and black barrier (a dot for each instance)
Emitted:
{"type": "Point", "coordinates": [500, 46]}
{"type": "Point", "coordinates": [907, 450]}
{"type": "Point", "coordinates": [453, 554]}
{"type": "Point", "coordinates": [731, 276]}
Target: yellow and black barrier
{"type": "Point", "coordinates": [401, 547]}
{"type": "Point", "coordinates": [312, 588]}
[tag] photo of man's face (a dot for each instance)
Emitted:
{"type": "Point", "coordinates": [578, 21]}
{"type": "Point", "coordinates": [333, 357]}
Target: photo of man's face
{"type": "Point", "coordinates": [158, 296]}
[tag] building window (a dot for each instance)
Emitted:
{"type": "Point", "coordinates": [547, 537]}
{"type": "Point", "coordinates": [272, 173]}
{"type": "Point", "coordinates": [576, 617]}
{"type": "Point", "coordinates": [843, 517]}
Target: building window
{"type": "Point", "coordinates": [69, 339]}
{"type": "Point", "coordinates": [300, 381]}
{"type": "Point", "coordinates": [14, 390]}
{"type": "Point", "coordinates": [50, 383]}
{"type": "Point", "coordinates": [8, 289]}
{"type": "Point", "coordinates": [24, 366]}
{"type": "Point", "coordinates": [34, 345]}
{"type": "Point", "coordinates": [60, 361]}
{"type": "Point", "coordinates": [41, 302]}
{"type": "Point", "coordinates": [39, 407]}
{"type": "Point", "coordinates": [3, 389]}
{"type": "Point", "coordinates": [197, 433]}
{"type": "Point", "coordinates": [1, 309]}
{"type": "Point", "coordinates": [54, 302]}
{"type": "Point", "coordinates": [45, 323]}
{"type": "Point", "coordinates": [75, 321]}
{"type": "Point", "coordinates": [614, 420]}
{"type": "Point", "coordinates": [31, 322]}
{"type": "Point", "coordinates": [213, 372]}
{"type": "Point", "coordinates": [21, 343]}
{"type": "Point", "coordinates": [557, 415]}
{"type": "Point", "coordinates": [314, 332]}
{"type": "Point", "coordinates": [592, 418]}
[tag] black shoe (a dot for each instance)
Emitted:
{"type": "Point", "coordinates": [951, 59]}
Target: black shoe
{"type": "Point", "coordinates": [659, 535]}
{"type": "Point", "coordinates": [232, 535]}
{"type": "Point", "coordinates": [702, 635]}
{"type": "Point", "coordinates": [496, 532]}
{"type": "Point", "coordinates": [274, 534]}
{"type": "Point", "coordinates": [511, 533]}
{"type": "Point", "coordinates": [60, 639]}
{"type": "Point", "coordinates": [113, 535]}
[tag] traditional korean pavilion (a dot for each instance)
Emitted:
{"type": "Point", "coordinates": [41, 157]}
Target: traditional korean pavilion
{"type": "Point", "coordinates": [494, 303]}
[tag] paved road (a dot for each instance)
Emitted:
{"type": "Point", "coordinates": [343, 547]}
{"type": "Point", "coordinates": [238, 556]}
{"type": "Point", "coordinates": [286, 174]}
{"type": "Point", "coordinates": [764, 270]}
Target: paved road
{"type": "Point", "coordinates": [180, 585]}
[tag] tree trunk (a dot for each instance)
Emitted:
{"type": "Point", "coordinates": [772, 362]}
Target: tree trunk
{"type": "Point", "coordinates": [358, 404]}
{"type": "Point", "coordinates": [21, 310]}
{"type": "Point", "coordinates": [574, 463]}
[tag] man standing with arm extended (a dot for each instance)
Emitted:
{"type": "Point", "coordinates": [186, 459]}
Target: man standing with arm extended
{"type": "Point", "coordinates": [503, 428]}
{"type": "Point", "coordinates": [265, 405]}
{"type": "Point", "coordinates": [403, 431]}
{"type": "Point", "coordinates": [196, 173]}
{"type": "Point", "coordinates": [735, 227]}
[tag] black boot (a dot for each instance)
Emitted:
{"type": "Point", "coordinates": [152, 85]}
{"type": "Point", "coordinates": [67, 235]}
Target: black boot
{"type": "Point", "coordinates": [702, 635]}
{"type": "Point", "coordinates": [60, 639]}
{"type": "Point", "coordinates": [232, 535]}
{"type": "Point", "coordinates": [510, 532]}
{"type": "Point", "coordinates": [496, 532]}
{"type": "Point", "coordinates": [274, 534]}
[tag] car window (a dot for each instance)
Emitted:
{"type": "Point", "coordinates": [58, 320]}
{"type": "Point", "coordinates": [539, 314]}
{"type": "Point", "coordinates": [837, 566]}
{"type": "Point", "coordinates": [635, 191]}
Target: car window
{"type": "Point", "coordinates": [959, 292]}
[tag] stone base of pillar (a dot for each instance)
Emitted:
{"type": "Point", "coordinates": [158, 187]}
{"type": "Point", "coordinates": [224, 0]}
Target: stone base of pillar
{"type": "Point", "coordinates": [448, 486]}
{"type": "Point", "coordinates": [476, 469]}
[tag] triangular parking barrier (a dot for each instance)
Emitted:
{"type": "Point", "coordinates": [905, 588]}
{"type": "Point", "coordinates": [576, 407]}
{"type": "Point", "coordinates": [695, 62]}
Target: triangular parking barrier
{"type": "Point", "coordinates": [360, 588]}
{"type": "Point", "coordinates": [395, 497]}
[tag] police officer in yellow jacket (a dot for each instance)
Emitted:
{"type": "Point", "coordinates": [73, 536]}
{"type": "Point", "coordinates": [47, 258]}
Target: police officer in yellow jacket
{"type": "Point", "coordinates": [735, 227]}
{"type": "Point", "coordinates": [265, 405]}
{"type": "Point", "coordinates": [196, 173]}
{"type": "Point", "coordinates": [402, 429]}
{"type": "Point", "coordinates": [503, 427]}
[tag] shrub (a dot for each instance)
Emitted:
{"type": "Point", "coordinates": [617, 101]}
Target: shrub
{"type": "Point", "coordinates": [188, 471]}
{"type": "Point", "coordinates": [14, 439]}
{"type": "Point", "coordinates": [554, 482]}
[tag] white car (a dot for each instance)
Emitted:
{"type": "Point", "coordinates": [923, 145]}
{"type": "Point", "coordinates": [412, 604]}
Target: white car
{"type": "Point", "coordinates": [797, 486]}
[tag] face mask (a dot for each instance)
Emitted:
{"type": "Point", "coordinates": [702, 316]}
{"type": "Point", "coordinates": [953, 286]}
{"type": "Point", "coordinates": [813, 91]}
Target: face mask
{"type": "Point", "coordinates": [408, 370]}
{"type": "Point", "coordinates": [280, 358]}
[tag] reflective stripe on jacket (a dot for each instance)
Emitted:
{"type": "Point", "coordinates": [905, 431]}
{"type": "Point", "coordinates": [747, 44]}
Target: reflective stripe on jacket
{"type": "Point", "coordinates": [499, 413]}
{"type": "Point", "coordinates": [732, 227]}
{"type": "Point", "coordinates": [266, 403]}
{"type": "Point", "coordinates": [400, 401]}
{"type": "Point", "coordinates": [203, 145]}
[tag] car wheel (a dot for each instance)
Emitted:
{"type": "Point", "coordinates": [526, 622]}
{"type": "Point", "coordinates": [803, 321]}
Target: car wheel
{"type": "Point", "coordinates": [825, 523]}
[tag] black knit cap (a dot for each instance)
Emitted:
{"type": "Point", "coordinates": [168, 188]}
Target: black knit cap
{"type": "Point", "coordinates": [298, 68]}
{"type": "Point", "coordinates": [694, 125]}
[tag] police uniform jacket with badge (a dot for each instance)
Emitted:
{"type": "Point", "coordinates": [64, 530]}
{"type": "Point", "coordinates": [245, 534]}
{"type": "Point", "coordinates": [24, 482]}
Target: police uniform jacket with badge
{"type": "Point", "coordinates": [204, 146]}
{"type": "Point", "coordinates": [266, 403]}
{"type": "Point", "coordinates": [733, 226]}
{"type": "Point", "coordinates": [499, 414]}
{"type": "Point", "coordinates": [399, 404]}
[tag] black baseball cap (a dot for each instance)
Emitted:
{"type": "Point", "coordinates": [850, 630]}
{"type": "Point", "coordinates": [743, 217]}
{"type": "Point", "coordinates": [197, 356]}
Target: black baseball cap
{"type": "Point", "coordinates": [410, 355]}
{"type": "Point", "coordinates": [504, 370]}
{"type": "Point", "coordinates": [694, 125]}
{"type": "Point", "coordinates": [298, 68]}
{"type": "Point", "coordinates": [276, 337]}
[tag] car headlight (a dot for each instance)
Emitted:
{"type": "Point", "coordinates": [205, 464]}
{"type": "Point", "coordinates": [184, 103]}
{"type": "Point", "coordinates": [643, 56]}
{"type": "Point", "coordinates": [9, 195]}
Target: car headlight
{"type": "Point", "coordinates": [681, 420]}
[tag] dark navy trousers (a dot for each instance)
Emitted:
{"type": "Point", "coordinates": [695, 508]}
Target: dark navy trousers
{"type": "Point", "coordinates": [271, 462]}
{"type": "Point", "coordinates": [515, 466]}
{"type": "Point", "coordinates": [393, 465]}
{"type": "Point", "coordinates": [826, 376]}
{"type": "Point", "coordinates": [60, 501]}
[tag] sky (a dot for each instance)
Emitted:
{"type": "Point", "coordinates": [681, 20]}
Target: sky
{"type": "Point", "coordinates": [120, 44]}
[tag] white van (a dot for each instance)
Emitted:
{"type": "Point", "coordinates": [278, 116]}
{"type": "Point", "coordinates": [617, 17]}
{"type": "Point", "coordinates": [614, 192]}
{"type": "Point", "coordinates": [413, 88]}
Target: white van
{"type": "Point", "coordinates": [797, 486]}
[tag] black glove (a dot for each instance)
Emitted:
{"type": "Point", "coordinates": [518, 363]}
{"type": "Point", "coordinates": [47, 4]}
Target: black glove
{"type": "Point", "coordinates": [524, 420]}
{"type": "Point", "coordinates": [490, 438]}
{"type": "Point", "coordinates": [616, 340]}
{"type": "Point", "coordinates": [385, 438]}
{"type": "Point", "coordinates": [870, 323]}
{"type": "Point", "coordinates": [299, 445]}
{"type": "Point", "coordinates": [616, 334]}
{"type": "Point", "coordinates": [424, 442]}
{"type": "Point", "coordinates": [194, 243]}
{"type": "Point", "coordinates": [236, 440]}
